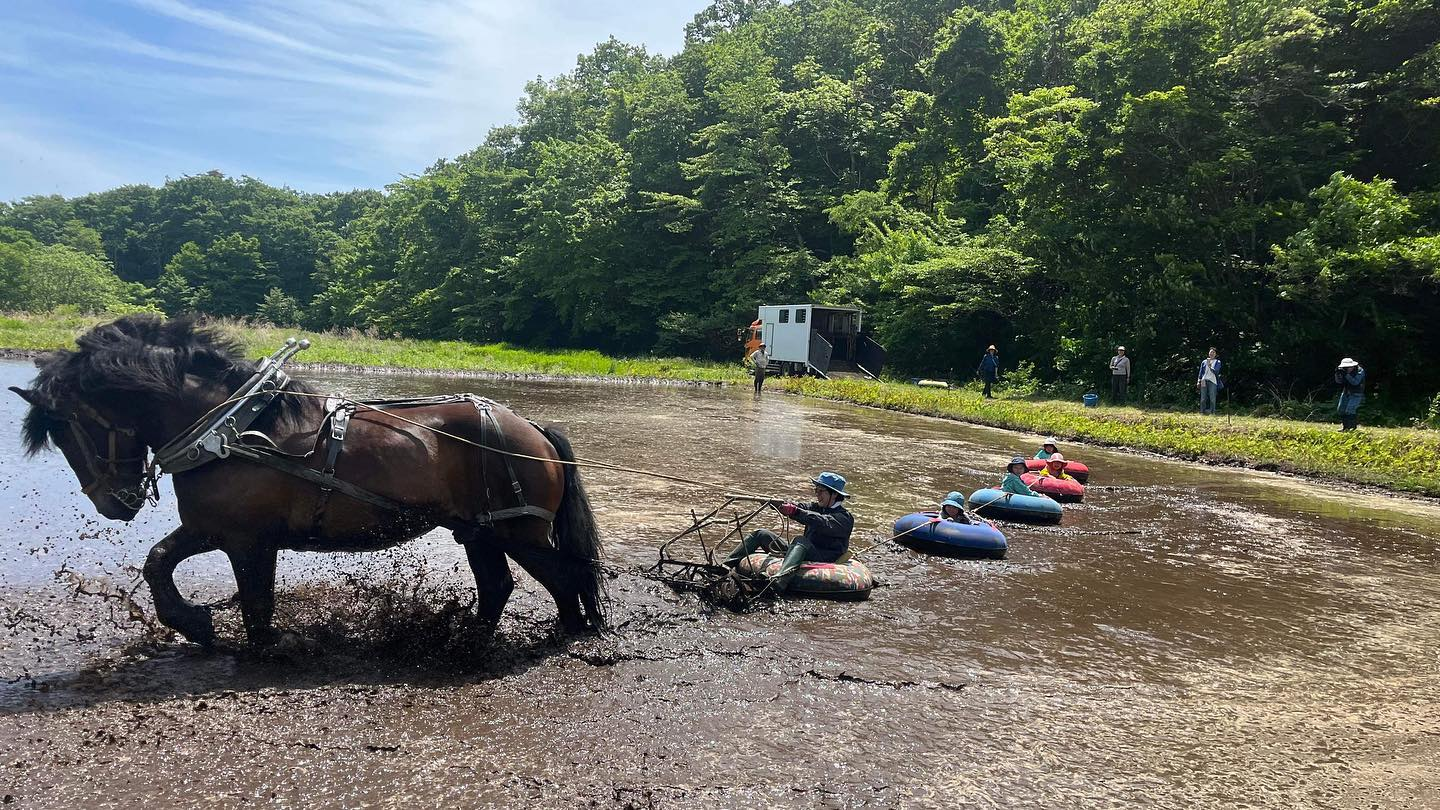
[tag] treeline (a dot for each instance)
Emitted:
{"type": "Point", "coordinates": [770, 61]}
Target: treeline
{"type": "Point", "coordinates": [1053, 176]}
{"type": "Point", "coordinates": [206, 243]}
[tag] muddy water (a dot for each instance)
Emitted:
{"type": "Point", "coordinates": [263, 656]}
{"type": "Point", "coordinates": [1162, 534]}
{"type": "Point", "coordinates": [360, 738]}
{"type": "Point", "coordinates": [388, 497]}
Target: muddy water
{"type": "Point", "coordinates": [1190, 637]}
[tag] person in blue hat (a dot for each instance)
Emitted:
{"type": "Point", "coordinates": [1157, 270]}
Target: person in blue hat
{"type": "Point", "coordinates": [827, 523]}
{"type": "Point", "coordinates": [953, 509]}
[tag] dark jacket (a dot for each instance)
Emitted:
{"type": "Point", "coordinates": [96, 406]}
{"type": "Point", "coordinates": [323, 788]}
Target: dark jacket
{"type": "Point", "coordinates": [989, 366]}
{"type": "Point", "coordinates": [828, 530]}
{"type": "Point", "coordinates": [1352, 380]}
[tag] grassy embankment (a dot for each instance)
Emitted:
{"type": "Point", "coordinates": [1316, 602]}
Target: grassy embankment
{"type": "Point", "coordinates": [1394, 458]}
{"type": "Point", "coordinates": [39, 332]}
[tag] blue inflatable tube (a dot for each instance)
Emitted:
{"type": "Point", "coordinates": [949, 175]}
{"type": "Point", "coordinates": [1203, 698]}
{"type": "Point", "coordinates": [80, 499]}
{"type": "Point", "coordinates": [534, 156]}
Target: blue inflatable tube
{"type": "Point", "coordinates": [1000, 505]}
{"type": "Point", "coordinates": [949, 538]}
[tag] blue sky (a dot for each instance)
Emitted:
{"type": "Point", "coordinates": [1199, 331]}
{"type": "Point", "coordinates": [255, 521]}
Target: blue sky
{"type": "Point", "coordinates": [318, 95]}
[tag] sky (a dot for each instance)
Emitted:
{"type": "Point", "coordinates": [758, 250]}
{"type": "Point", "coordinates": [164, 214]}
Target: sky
{"type": "Point", "coordinates": [318, 95]}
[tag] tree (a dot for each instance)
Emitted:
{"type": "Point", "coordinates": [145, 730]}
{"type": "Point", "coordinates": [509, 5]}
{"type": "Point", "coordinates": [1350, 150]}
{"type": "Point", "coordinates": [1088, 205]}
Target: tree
{"type": "Point", "coordinates": [278, 308]}
{"type": "Point", "coordinates": [228, 278]}
{"type": "Point", "coordinates": [35, 277]}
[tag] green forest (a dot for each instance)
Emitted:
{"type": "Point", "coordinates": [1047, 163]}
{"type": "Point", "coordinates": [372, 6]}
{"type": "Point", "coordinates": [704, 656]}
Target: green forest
{"type": "Point", "coordinates": [1052, 176]}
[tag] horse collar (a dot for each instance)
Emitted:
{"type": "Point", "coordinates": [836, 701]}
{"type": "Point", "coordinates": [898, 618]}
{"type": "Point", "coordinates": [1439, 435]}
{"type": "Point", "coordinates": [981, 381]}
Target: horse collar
{"type": "Point", "coordinates": [216, 433]}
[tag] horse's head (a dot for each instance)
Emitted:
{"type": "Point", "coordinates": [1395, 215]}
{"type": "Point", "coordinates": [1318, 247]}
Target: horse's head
{"type": "Point", "coordinates": [129, 384]}
{"type": "Point", "coordinates": [105, 453]}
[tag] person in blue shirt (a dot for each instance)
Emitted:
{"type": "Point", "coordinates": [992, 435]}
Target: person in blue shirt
{"type": "Point", "coordinates": [1208, 381]}
{"type": "Point", "coordinates": [1350, 376]}
{"type": "Point", "coordinates": [1012, 483]}
{"type": "Point", "coordinates": [827, 523]}
{"type": "Point", "coordinates": [1048, 449]}
{"type": "Point", "coordinates": [989, 369]}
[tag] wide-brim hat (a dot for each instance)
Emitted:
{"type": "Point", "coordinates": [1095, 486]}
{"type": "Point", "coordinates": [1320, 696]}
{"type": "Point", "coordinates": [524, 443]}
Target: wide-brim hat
{"type": "Point", "coordinates": [834, 482]}
{"type": "Point", "coordinates": [1050, 440]}
{"type": "Point", "coordinates": [1119, 348]}
{"type": "Point", "coordinates": [1058, 458]}
{"type": "Point", "coordinates": [954, 499]}
{"type": "Point", "coordinates": [1348, 362]}
{"type": "Point", "coordinates": [1016, 460]}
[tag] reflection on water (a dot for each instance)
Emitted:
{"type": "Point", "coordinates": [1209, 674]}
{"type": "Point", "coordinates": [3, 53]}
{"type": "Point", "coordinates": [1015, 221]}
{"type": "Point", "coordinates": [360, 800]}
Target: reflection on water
{"type": "Point", "coordinates": [1189, 635]}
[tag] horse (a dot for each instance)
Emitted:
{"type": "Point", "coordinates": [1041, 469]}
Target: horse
{"type": "Point", "coordinates": [133, 385]}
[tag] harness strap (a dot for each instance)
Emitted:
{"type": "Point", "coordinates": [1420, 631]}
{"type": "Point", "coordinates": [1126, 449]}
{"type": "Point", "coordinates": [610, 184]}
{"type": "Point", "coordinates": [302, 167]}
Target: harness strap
{"type": "Point", "coordinates": [339, 423]}
{"type": "Point", "coordinates": [289, 467]}
{"type": "Point", "coordinates": [518, 511]}
{"type": "Point", "coordinates": [491, 516]}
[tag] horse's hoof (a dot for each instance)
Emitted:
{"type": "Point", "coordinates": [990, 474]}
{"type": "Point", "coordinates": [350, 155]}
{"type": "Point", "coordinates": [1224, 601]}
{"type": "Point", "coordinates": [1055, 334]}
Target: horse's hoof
{"type": "Point", "coordinates": [294, 643]}
{"type": "Point", "coordinates": [197, 628]}
{"type": "Point", "coordinates": [286, 646]}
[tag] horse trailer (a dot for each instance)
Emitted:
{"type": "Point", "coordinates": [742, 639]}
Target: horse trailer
{"type": "Point", "coordinates": [815, 339]}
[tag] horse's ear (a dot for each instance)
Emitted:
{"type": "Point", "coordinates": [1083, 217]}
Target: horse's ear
{"type": "Point", "coordinates": [27, 395]}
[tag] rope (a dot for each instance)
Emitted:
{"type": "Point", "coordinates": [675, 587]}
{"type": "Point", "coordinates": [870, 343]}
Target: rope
{"type": "Point", "coordinates": [874, 546]}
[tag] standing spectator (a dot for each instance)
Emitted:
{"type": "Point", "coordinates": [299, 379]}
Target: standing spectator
{"type": "Point", "coordinates": [989, 369]}
{"type": "Point", "coordinates": [1351, 379]}
{"type": "Point", "coordinates": [761, 361]}
{"type": "Point", "coordinates": [1208, 381]}
{"type": "Point", "coordinates": [1119, 376]}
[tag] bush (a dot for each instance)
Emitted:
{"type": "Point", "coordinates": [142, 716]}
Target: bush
{"type": "Point", "coordinates": [279, 309]}
{"type": "Point", "coordinates": [1021, 382]}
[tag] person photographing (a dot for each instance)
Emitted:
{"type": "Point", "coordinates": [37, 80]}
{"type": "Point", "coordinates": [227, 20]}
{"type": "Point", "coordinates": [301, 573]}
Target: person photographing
{"type": "Point", "coordinates": [1350, 376]}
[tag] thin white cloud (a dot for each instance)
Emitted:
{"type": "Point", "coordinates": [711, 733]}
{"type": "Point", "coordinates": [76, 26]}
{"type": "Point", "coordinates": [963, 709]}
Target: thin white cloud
{"type": "Point", "coordinates": [292, 91]}
{"type": "Point", "coordinates": [226, 24]}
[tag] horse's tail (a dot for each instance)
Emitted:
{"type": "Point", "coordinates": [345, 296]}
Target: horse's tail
{"type": "Point", "coordinates": [575, 532]}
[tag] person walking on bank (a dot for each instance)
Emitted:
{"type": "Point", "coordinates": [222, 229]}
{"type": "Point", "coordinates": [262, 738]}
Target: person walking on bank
{"type": "Point", "coordinates": [1119, 376]}
{"type": "Point", "coordinates": [1350, 376]}
{"type": "Point", "coordinates": [761, 361]}
{"type": "Point", "coordinates": [989, 369]}
{"type": "Point", "coordinates": [827, 523]}
{"type": "Point", "coordinates": [1208, 382]}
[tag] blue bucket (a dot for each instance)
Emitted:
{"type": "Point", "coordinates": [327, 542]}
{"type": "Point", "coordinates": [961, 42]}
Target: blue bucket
{"type": "Point", "coordinates": [1091, 400]}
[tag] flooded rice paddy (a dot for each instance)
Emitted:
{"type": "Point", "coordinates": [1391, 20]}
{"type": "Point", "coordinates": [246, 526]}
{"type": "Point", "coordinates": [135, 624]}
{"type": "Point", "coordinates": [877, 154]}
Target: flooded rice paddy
{"type": "Point", "coordinates": [1189, 637]}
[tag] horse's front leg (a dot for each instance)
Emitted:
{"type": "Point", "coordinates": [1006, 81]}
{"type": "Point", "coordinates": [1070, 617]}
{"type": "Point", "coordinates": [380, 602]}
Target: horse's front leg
{"type": "Point", "coordinates": [254, 567]}
{"type": "Point", "coordinates": [191, 621]}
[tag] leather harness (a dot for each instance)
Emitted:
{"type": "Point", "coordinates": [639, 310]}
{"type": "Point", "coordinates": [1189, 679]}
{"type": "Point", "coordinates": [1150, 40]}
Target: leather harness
{"type": "Point", "coordinates": [225, 434]}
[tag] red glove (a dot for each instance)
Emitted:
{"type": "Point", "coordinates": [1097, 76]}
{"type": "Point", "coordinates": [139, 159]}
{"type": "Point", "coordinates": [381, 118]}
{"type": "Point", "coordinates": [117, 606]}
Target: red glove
{"type": "Point", "coordinates": [787, 509]}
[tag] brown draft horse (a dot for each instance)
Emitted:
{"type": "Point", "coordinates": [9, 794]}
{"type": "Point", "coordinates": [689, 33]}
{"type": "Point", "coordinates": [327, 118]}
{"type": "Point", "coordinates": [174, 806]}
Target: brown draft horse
{"type": "Point", "coordinates": [138, 382]}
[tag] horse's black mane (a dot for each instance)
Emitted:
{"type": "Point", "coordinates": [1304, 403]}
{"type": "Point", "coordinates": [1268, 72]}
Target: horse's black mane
{"type": "Point", "coordinates": [144, 355]}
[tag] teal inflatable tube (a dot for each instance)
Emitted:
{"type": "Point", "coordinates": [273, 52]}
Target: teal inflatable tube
{"type": "Point", "coordinates": [1000, 505]}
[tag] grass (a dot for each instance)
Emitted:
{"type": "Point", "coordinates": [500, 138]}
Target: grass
{"type": "Point", "coordinates": [39, 332]}
{"type": "Point", "coordinates": [1401, 459]}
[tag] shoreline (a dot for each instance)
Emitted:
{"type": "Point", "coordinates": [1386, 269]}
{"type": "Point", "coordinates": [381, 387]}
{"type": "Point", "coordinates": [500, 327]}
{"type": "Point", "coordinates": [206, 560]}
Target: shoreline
{"type": "Point", "coordinates": [1395, 461]}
